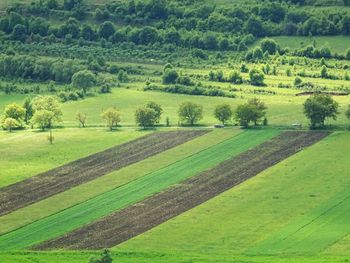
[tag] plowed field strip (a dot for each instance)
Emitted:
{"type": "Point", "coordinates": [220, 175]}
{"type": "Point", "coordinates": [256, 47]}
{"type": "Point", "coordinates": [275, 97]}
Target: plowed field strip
{"type": "Point", "coordinates": [86, 169]}
{"type": "Point", "coordinates": [138, 218]}
{"type": "Point", "coordinates": [108, 202]}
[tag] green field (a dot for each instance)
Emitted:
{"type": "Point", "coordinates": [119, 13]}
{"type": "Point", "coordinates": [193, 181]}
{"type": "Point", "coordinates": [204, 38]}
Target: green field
{"type": "Point", "coordinates": [111, 181]}
{"type": "Point", "coordinates": [259, 60]}
{"type": "Point", "coordinates": [132, 192]}
{"type": "Point", "coordinates": [27, 153]}
{"type": "Point", "coordinates": [339, 44]}
{"type": "Point", "coordinates": [295, 190]}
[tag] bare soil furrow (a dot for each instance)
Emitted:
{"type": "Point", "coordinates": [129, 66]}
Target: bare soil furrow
{"type": "Point", "coordinates": [143, 216]}
{"type": "Point", "coordinates": [86, 169]}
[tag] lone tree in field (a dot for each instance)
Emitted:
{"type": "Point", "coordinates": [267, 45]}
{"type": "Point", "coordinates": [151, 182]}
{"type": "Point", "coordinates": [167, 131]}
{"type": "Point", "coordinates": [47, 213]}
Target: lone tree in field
{"type": "Point", "coordinates": [319, 107]}
{"type": "Point", "coordinates": [10, 124]}
{"type": "Point", "coordinates": [223, 113]}
{"type": "Point", "coordinates": [190, 112]}
{"type": "Point", "coordinates": [260, 109]}
{"type": "Point", "coordinates": [145, 117]}
{"type": "Point", "coordinates": [111, 117]}
{"type": "Point", "coordinates": [81, 118]}
{"type": "Point", "coordinates": [84, 80]}
{"type": "Point", "coordinates": [157, 108]}
{"type": "Point", "coordinates": [252, 111]}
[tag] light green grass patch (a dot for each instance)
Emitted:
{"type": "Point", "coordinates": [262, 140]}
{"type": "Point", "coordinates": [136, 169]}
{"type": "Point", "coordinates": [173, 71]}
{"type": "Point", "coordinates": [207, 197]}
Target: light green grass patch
{"type": "Point", "coordinates": [27, 153]}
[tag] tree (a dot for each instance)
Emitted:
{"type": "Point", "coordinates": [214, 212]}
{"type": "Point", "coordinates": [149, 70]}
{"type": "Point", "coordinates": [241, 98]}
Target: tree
{"type": "Point", "coordinates": [252, 111]}
{"type": "Point", "coordinates": [105, 257]}
{"type": "Point", "coordinates": [112, 117]}
{"type": "Point", "coordinates": [170, 76]}
{"type": "Point", "coordinates": [235, 77]}
{"type": "Point", "coordinates": [29, 111]}
{"type": "Point", "coordinates": [84, 80]}
{"type": "Point", "coordinates": [106, 29]}
{"type": "Point", "coordinates": [269, 45]}
{"type": "Point", "coordinates": [10, 124]}
{"type": "Point", "coordinates": [43, 118]}
{"type": "Point", "coordinates": [319, 107]}
{"type": "Point", "coordinates": [190, 112]}
{"type": "Point", "coordinates": [347, 113]}
{"type": "Point", "coordinates": [223, 113]}
{"type": "Point", "coordinates": [19, 33]}
{"type": "Point", "coordinates": [157, 109]}
{"type": "Point", "coordinates": [324, 73]}
{"type": "Point", "coordinates": [47, 111]}
{"type": "Point", "coordinates": [244, 114]}
{"type": "Point", "coordinates": [256, 77]}
{"type": "Point", "coordinates": [16, 112]}
{"type": "Point", "coordinates": [81, 118]}
{"type": "Point", "coordinates": [145, 117]}
{"type": "Point", "coordinates": [260, 109]}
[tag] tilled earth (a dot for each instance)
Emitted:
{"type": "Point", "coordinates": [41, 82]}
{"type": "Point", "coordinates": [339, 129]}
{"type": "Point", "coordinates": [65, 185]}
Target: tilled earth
{"type": "Point", "coordinates": [138, 218]}
{"type": "Point", "coordinates": [62, 178]}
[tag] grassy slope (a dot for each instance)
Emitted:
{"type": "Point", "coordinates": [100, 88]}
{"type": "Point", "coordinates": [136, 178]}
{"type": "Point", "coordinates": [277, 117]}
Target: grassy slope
{"type": "Point", "coordinates": [132, 192]}
{"type": "Point", "coordinates": [337, 44]}
{"type": "Point", "coordinates": [108, 182]}
{"type": "Point", "coordinates": [244, 216]}
{"type": "Point", "coordinates": [26, 153]}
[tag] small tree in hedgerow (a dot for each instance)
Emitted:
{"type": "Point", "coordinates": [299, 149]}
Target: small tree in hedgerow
{"type": "Point", "coordinates": [256, 77]}
{"type": "Point", "coordinates": [112, 117]}
{"type": "Point", "coordinates": [190, 113]}
{"type": "Point", "coordinates": [145, 117]}
{"type": "Point", "coordinates": [318, 108]}
{"type": "Point", "coordinates": [223, 113]}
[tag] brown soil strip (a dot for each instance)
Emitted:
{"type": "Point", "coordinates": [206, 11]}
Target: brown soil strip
{"type": "Point", "coordinates": [141, 217]}
{"type": "Point", "coordinates": [62, 178]}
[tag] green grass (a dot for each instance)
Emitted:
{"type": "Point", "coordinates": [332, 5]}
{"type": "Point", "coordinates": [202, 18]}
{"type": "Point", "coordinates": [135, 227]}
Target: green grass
{"type": "Point", "coordinates": [132, 192]}
{"type": "Point", "coordinates": [239, 219]}
{"type": "Point", "coordinates": [110, 181]}
{"type": "Point", "coordinates": [27, 153]}
{"type": "Point", "coordinates": [337, 44]}
{"type": "Point", "coordinates": [144, 257]}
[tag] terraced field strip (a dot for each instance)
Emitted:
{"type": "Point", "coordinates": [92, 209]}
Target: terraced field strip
{"type": "Point", "coordinates": [314, 232]}
{"type": "Point", "coordinates": [105, 183]}
{"type": "Point", "coordinates": [140, 217]}
{"type": "Point", "coordinates": [83, 170]}
{"type": "Point", "coordinates": [118, 198]}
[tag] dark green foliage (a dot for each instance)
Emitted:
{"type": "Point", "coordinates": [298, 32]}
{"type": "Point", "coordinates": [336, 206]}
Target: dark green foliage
{"type": "Point", "coordinates": [170, 76]}
{"type": "Point", "coordinates": [252, 111]}
{"type": "Point", "coordinates": [256, 77]}
{"type": "Point", "coordinates": [190, 113]}
{"type": "Point", "coordinates": [318, 108]}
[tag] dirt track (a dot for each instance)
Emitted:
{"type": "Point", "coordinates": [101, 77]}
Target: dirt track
{"type": "Point", "coordinates": [62, 178]}
{"type": "Point", "coordinates": [137, 219]}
